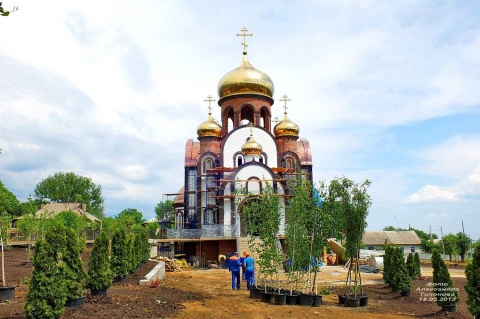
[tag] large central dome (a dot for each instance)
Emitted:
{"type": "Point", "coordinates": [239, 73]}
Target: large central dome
{"type": "Point", "coordinates": [245, 80]}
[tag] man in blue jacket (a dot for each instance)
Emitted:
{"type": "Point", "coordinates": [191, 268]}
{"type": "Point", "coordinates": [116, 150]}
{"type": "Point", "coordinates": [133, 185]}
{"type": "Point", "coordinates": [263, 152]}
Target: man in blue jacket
{"type": "Point", "coordinates": [249, 270]}
{"type": "Point", "coordinates": [234, 268]}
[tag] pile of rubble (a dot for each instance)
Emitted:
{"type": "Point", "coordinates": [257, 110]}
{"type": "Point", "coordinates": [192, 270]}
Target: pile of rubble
{"type": "Point", "coordinates": [171, 264]}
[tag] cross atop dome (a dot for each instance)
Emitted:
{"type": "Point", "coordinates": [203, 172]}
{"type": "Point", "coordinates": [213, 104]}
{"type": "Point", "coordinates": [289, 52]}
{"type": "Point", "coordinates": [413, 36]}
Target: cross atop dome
{"type": "Point", "coordinates": [209, 100]}
{"type": "Point", "coordinates": [285, 99]}
{"type": "Point", "coordinates": [244, 34]}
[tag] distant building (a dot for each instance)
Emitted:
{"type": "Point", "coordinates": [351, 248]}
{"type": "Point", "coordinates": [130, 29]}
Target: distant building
{"type": "Point", "coordinates": [408, 240]}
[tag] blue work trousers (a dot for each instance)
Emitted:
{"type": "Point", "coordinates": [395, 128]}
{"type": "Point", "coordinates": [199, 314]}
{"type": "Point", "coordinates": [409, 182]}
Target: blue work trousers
{"type": "Point", "coordinates": [249, 278]}
{"type": "Point", "coordinates": [235, 279]}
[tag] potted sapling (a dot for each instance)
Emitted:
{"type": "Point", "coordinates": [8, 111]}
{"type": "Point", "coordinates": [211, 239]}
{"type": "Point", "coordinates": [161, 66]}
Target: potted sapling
{"type": "Point", "coordinates": [6, 292]}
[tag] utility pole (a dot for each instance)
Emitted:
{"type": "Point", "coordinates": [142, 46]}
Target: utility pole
{"type": "Point", "coordinates": [443, 244]}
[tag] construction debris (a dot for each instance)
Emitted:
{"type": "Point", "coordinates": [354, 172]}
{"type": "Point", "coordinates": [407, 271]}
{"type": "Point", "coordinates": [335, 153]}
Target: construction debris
{"type": "Point", "coordinates": [172, 264]}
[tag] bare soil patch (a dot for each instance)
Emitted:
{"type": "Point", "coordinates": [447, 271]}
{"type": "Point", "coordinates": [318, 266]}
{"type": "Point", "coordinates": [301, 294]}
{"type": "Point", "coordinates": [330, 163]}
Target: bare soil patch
{"type": "Point", "coordinates": [206, 293]}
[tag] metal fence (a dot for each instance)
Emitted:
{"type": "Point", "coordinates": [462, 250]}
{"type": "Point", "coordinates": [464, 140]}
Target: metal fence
{"type": "Point", "coordinates": [212, 231]}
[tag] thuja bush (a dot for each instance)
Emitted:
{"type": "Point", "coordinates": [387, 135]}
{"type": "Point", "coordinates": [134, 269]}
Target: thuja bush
{"type": "Point", "coordinates": [120, 253]}
{"type": "Point", "coordinates": [417, 267]}
{"type": "Point", "coordinates": [99, 272]}
{"type": "Point", "coordinates": [472, 272]}
{"type": "Point", "coordinates": [75, 274]}
{"type": "Point", "coordinates": [401, 280]}
{"type": "Point", "coordinates": [443, 289]}
{"type": "Point", "coordinates": [47, 292]}
{"type": "Point", "coordinates": [131, 260]}
{"type": "Point", "coordinates": [388, 272]}
{"type": "Point", "coordinates": [410, 266]}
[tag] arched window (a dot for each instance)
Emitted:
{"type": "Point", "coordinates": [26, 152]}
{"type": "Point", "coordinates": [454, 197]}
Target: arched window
{"type": "Point", "coordinates": [239, 161]}
{"type": "Point", "coordinates": [247, 115]}
{"type": "Point", "coordinates": [265, 118]}
{"type": "Point", "coordinates": [208, 163]}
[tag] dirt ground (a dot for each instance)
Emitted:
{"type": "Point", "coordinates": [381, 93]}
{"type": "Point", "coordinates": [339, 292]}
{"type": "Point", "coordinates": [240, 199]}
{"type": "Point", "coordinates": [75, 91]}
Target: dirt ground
{"type": "Point", "coordinates": [206, 293]}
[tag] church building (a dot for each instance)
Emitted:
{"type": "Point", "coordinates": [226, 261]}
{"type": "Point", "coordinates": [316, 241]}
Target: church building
{"type": "Point", "coordinates": [246, 149]}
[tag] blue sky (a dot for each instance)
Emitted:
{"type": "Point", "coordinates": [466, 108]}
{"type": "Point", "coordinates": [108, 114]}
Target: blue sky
{"type": "Point", "coordinates": [384, 90]}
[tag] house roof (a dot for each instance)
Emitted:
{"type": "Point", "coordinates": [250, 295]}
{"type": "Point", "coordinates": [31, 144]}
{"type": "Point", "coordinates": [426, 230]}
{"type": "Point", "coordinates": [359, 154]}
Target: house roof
{"type": "Point", "coordinates": [406, 237]}
{"type": "Point", "coordinates": [53, 209]}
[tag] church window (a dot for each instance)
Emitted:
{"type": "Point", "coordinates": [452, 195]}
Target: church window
{"type": "Point", "coordinates": [246, 115]}
{"type": "Point", "coordinates": [239, 160]}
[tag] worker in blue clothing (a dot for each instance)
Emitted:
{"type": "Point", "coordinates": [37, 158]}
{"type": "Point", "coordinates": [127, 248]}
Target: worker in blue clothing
{"type": "Point", "coordinates": [242, 258]}
{"type": "Point", "coordinates": [249, 270]}
{"type": "Point", "coordinates": [234, 268]}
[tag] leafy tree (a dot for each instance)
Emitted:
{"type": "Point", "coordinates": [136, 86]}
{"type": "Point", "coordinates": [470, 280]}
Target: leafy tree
{"type": "Point", "coordinates": [71, 188]}
{"type": "Point", "coordinates": [443, 289]}
{"type": "Point", "coordinates": [450, 244]}
{"type": "Point", "coordinates": [463, 245]}
{"type": "Point", "coordinates": [129, 217]}
{"type": "Point", "coordinates": [29, 207]}
{"type": "Point", "coordinates": [8, 202]}
{"type": "Point", "coordinates": [119, 254]}
{"type": "Point", "coordinates": [472, 272]}
{"type": "Point", "coordinates": [99, 271]}
{"type": "Point", "coordinates": [47, 292]}
{"type": "Point", "coordinates": [165, 212]}
{"type": "Point", "coordinates": [71, 220]}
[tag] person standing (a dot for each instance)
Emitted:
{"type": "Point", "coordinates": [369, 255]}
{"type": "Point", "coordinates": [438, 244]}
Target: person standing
{"type": "Point", "coordinates": [242, 259]}
{"type": "Point", "coordinates": [234, 268]}
{"type": "Point", "coordinates": [249, 270]}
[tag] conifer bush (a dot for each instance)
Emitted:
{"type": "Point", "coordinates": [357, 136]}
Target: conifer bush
{"type": "Point", "coordinates": [47, 291]}
{"type": "Point", "coordinates": [472, 272]}
{"type": "Point", "coordinates": [99, 271]}
{"type": "Point", "coordinates": [417, 266]}
{"type": "Point", "coordinates": [410, 266]}
{"type": "Point", "coordinates": [120, 254]}
{"type": "Point", "coordinates": [443, 289]}
{"type": "Point", "coordinates": [75, 274]}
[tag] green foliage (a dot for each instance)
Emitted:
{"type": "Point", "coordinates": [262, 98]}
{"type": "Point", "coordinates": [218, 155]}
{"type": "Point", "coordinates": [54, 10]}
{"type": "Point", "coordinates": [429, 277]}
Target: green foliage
{"type": "Point", "coordinates": [71, 220]}
{"type": "Point", "coordinates": [71, 188]}
{"type": "Point", "coordinates": [463, 245]}
{"type": "Point", "coordinates": [410, 266]}
{"type": "Point", "coordinates": [152, 230]}
{"type": "Point", "coordinates": [417, 267]}
{"type": "Point", "coordinates": [129, 217]}
{"type": "Point", "coordinates": [5, 13]}
{"type": "Point", "coordinates": [120, 253]}
{"type": "Point", "coordinates": [29, 207]}
{"type": "Point", "coordinates": [131, 260]}
{"type": "Point", "coordinates": [472, 272]}
{"type": "Point", "coordinates": [75, 274]}
{"type": "Point", "coordinates": [443, 289]}
{"type": "Point", "coordinates": [395, 271]}
{"type": "Point", "coordinates": [261, 216]}
{"type": "Point", "coordinates": [99, 271]}
{"type": "Point", "coordinates": [47, 292]}
{"type": "Point", "coordinates": [8, 202]}
{"type": "Point", "coordinates": [165, 212]}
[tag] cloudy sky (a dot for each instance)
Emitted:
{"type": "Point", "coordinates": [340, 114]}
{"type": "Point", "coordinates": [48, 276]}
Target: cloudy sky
{"type": "Point", "coordinates": [383, 90]}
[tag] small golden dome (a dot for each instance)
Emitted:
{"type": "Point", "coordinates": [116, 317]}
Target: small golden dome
{"type": "Point", "coordinates": [251, 147]}
{"type": "Point", "coordinates": [245, 80]}
{"type": "Point", "coordinates": [209, 128]}
{"type": "Point", "coordinates": [286, 128]}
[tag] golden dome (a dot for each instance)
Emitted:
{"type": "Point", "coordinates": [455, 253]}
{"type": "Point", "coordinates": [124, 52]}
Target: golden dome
{"type": "Point", "coordinates": [286, 128]}
{"type": "Point", "coordinates": [245, 80]}
{"type": "Point", "coordinates": [251, 147]}
{"type": "Point", "coordinates": [209, 128]}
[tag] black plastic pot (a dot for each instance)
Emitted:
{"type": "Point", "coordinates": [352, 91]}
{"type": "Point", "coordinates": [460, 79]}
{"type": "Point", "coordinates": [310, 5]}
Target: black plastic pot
{"type": "Point", "coordinates": [306, 299]}
{"type": "Point", "coordinates": [342, 299]}
{"type": "Point", "coordinates": [280, 299]}
{"type": "Point", "coordinates": [266, 296]}
{"type": "Point", "coordinates": [255, 293]}
{"type": "Point", "coordinates": [363, 300]}
{"type": "Point", "coordinates": [449, 308]}
{"type": "Point", "coordinates": [75, 302]}
{"type": "Point", "coordinates": [6, 293]}
{"type": "Point", "coordinates": [317, 300]}
{"type": "Point", "coordinates": [353, 302]}
{"type": "Point", "coordinates": [98, 292]}
{"type": "Point", "coordinates": [405, 293]}
{"type": "Point", "coordinates": [292, 299]}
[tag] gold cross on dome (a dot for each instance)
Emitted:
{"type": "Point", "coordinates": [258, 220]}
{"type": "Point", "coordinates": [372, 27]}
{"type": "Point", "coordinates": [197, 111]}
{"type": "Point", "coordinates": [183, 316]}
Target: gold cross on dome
{"type": "Point", "coordinates": [209, 100]}
{"type": "Point", "coordinates": [251, 128]}
{"type": "Point", "coordinates": [285, 99]}
{"type": "Point", "coordinates": [244, 34]}
{"type": "Point", "coordinates": [276, 120]}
